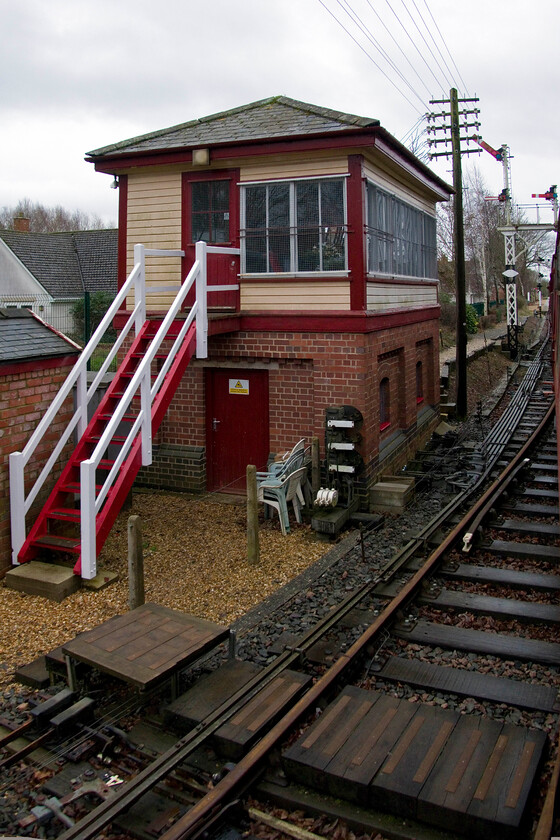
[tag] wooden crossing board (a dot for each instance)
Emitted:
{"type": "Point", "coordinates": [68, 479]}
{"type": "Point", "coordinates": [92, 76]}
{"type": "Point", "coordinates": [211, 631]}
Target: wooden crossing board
{"type": "Point", "coordinates": [250, 720]}
{"type": "Point", "coordinates": [146, 645]}
{"type": "Point", "coordinates": [460, 772]}
{"type": "Point", "coordinates": [257, 716]}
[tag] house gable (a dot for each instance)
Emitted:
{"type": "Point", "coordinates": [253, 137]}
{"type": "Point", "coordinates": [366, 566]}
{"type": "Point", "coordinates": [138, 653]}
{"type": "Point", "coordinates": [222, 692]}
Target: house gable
{"type": "Point", "coordinates": [15, 277]}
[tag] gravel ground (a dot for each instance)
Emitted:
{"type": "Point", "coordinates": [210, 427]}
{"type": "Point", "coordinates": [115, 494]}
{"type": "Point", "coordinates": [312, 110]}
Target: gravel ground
{"type": "Point", "coordinates": [195, 560]}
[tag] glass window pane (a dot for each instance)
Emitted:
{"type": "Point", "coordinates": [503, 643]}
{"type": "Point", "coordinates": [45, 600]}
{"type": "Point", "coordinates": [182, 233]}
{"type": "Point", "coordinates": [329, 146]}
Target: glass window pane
{"type": "Point", "coordinates": [332, 203]}
{"type": "Point", "coordinates": [307, 214]}
{"type": "Point", "coordinates": [279, 205]}
{"type": "Point", "coordinates": [220, 227]}
{"type": "Point", "coordinates": [279, 250]}
{"type": "Point", "coordinates": [255, 207]}
{"type": "Point", "coordinates": [220, 195]}
{"type": "Point", "coordinates": [307, 200]}
{"type": "Point", "coordinates": [200, 196]}
{"type": "Point", "coordinates": [200, 229]}
{"type": "Point", "coordinates": [255, 253]}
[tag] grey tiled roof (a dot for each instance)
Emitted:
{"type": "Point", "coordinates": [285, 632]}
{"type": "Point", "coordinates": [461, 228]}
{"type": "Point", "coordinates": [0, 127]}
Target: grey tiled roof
{"type": "Point", "coordinates": [67, 263]}
{"type": "Point", "coordinates": [24, 337]}
{"type": "Point", "coordinates": [266, 119]}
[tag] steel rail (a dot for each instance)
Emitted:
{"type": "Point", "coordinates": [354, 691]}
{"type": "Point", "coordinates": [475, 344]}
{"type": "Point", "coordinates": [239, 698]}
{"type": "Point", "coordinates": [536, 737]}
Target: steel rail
{"type": "Point", "coordinates": [137, 787]}
{"type": "Point", "coordinates": [232, 784]}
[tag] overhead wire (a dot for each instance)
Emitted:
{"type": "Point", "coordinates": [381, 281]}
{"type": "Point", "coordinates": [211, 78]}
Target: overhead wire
{"type": "Point", "coordinates": [370, 57]}
{"type": "Point", "coordinates": [410, 38]}
{"type": "Point", "coordinates": [430, 33]}
{"type": "Point", "coordinates": [397, 44]}
{"type": "Point", "coordinates": [447, 48]}
{"type": "Point", "coordinates": [432, 58]}
{"type": "Point", "coordinates": [444, 75]}
{"type": "Point", "coordinates": [370, 37]}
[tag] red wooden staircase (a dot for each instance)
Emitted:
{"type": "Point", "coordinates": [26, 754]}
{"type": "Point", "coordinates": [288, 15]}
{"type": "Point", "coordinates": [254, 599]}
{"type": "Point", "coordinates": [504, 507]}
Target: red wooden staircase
{"type": "Point", "coordinates": [58, 526]}
{"type": "Point", "coordinates": [112, 446]}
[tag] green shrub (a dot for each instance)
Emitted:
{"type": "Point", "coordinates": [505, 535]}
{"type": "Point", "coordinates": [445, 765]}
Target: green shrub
{"type": "Point", "coordinates": [99, 304]}
{"type": "Point", "coordinates": [471, 320]}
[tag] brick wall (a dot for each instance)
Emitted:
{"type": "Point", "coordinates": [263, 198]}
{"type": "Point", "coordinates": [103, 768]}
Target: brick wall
{"type": "Point", "coordinates": [308, 372]}
{"type": "Point", "coordinates": [24, 397]}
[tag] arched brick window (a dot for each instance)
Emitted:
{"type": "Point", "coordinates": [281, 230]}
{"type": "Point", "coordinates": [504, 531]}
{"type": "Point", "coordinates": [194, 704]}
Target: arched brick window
{"type": "Point", "coordinates": [419, 383]}
{"type": "Point", "coordinates": [384, 405]}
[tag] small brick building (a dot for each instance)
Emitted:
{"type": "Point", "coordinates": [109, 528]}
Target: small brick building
{"type": "Point", "coordinates": [34, 362]}
{"type": "Point", "coordinates": [337, 299]}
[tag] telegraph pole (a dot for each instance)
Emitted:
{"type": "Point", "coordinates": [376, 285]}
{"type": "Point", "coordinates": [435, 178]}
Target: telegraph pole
{"type": "Point", "coordinates": [460, 273]}
{"type": "Point", "coordinates": [454, 128]}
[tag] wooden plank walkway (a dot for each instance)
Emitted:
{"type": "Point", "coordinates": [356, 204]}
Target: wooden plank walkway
{"type": "Point", "coordinates": [465, 683]}
{"type": "Point", "coordinates": [460, 772]}
{"type": "Point", "coordinates": [479, 641]}
{"type": "Point", "coordinates": [147, 645]}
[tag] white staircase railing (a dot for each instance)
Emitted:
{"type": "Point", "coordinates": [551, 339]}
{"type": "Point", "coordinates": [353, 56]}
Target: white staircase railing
{"type": "Point", "coordinates": [90, 501]}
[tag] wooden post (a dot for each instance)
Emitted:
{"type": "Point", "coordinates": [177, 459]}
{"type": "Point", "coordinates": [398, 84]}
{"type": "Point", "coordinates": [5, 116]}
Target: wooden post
{"type": "Point", "coordinates": [135, 563]}
{"type": "Point", "coordinates": [253, 547]}
{"type": "Point", "coordinates": [315, 467]}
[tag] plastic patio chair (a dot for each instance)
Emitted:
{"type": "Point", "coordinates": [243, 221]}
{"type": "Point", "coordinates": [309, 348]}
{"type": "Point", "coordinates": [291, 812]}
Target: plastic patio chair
{"type": "Point", "coordinates": [278, 492]}
{"type": "Point", "coordinates": [291, 462]}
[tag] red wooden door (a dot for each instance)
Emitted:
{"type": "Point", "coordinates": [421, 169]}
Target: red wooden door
{"type": "Point", "coordinates": [237, 431]}
{"type": "Point", "coordinates": [211, 213]}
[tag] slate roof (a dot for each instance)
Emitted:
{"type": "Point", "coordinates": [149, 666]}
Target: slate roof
{"type": "Point", "coordinates": [24, 337]}
{"type": "Point", "coordinates": [66, 264]}
{"type": "Point", "coordinates": [278, 116]}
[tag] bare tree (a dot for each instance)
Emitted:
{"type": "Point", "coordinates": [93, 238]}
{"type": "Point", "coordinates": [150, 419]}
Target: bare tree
{"type": "Point", "coordinates": [44, 219]}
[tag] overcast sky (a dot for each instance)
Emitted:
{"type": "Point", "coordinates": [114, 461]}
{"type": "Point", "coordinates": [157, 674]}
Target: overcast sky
{"type": "Point", "coordinates": [77, 75]}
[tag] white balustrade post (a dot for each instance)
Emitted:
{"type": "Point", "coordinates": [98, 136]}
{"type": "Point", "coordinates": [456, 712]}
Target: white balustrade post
{"type": "Point", "coordinates": [146, 409]}
{"type": "Point", "coordinates": [87, 515]}
{"type": "Point", "coordinates": [202, 302]}
{"type": "Point", "coordinates": [140, 287]}
{"type": "Point", "coordinates": [82, 400]}
{"type": "Point", "coordinates": [17, 504]}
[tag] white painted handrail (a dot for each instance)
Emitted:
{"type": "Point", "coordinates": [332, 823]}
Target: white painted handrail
{"type": "Point", "coordinates": [90, 500]}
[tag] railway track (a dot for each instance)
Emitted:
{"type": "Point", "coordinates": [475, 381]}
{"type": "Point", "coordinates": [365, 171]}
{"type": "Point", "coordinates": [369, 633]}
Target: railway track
{"type": "Point", "coordinates": [439, 705]}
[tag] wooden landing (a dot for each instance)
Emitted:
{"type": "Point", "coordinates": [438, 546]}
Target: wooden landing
{"type": "Point", "coordinates": [459, 772]}
{"type": "Point", "coordinates": [147, 645]}
{"type": "Point", "coordinates": [249, 722]}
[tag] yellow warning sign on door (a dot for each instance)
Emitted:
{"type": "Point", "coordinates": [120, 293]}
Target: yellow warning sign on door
{"type": "Point", "coordinates": [238, 386]}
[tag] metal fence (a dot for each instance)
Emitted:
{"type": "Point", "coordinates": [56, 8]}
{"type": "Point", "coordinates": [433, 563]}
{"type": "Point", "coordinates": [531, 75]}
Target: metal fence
{"type": "Point", "coordinates": [69, 316]}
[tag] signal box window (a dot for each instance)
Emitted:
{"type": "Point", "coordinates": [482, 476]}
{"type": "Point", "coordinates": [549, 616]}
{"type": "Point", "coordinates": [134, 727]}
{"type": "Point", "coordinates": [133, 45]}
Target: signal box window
{"type": "Point", "coordinates": [210, 211]}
